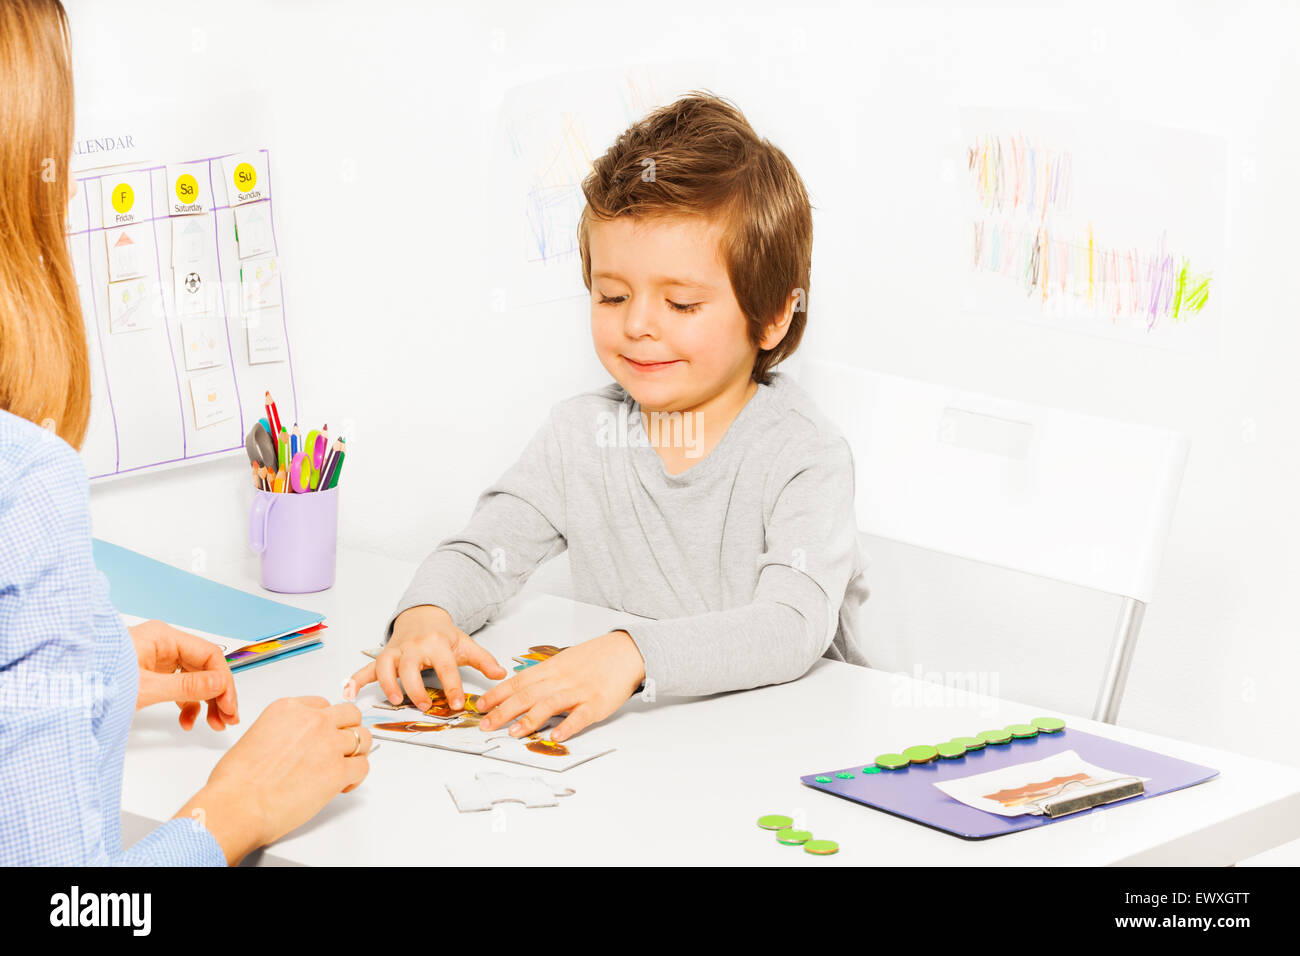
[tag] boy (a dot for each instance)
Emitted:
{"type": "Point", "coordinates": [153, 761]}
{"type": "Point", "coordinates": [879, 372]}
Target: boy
{"type": "Point", "coordinates": [701, 490]}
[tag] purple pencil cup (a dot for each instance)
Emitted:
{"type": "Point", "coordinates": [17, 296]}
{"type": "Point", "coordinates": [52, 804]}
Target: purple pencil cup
{"type": "Point", "coordinates": [297, 537]}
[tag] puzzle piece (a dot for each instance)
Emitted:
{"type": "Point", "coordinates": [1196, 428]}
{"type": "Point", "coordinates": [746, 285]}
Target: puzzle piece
{"type": "Point", "coordinates": [490, 788]}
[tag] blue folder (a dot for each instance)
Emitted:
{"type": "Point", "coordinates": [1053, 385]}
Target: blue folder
{"type": "Point", "coordinates": [148, 588]}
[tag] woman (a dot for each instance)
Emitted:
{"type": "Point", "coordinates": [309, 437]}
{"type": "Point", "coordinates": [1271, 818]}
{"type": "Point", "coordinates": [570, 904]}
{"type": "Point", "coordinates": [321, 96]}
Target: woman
{"type": "Point", "coordinates": [70, 674]}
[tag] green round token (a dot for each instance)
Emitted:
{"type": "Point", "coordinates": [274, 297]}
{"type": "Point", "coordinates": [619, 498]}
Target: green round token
{"type": "Point", "coordinates": [921, 753]}
{"type": "Point", "coordinates": [821, 779]}
{"type": "Point", "coordinates": [892, 761]}
{"type": "Point", "coordinates": [951, 751]}
{"type": "Point", "coordinates": [822, 847]}
{"type": "Point", "coordinates": [867, 770]}
{"type": "Point", "coordinates": [1049, 725]}
{"type": "Point", "coordinates": [1022, 730]}
{"type": "Point", "coordinates": [792, 837]}
{"type": "Point", "coordinates": [970, 743]}
{"type": "Point", "coordinates": [845, 775]}
{"type": "Point", "coordinates": [774, 821]}
{"type": "Point", "coordinates": [998, 737]}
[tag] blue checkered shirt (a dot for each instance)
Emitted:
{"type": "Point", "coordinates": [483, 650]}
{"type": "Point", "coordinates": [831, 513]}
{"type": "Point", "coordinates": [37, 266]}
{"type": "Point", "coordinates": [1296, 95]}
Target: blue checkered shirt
{"type": "Point", "coordinates": [68, 675]}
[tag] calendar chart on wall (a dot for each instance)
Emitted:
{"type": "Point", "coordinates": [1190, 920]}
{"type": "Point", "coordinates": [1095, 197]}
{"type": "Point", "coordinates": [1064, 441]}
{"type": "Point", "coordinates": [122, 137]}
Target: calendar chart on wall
{"type": "Point", "coordinates": [182, 294]}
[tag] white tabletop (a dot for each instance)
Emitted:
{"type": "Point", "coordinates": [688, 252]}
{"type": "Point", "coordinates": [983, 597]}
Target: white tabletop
{"type": "Point", "coordinates": [689, 777]}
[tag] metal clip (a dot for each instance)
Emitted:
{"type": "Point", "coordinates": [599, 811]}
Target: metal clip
{"type": "Point", "coordinates": [1076, 795]}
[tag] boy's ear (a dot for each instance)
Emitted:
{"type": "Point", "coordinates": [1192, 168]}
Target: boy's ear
{"type": "Point", "coordinates": [776, 329]}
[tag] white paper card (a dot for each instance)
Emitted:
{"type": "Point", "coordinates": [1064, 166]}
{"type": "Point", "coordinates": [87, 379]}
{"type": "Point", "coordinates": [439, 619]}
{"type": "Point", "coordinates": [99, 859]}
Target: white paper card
{"type": "Point", "coordinates": [253, 230]}
{"type": "Point", "coordinates": [1008, 791]}
{"type": "Point", "coordinates": [126, 198]}
{"type": "Point", "coordinates": [214, 401]}
{"type": "Point", "coordinates": [202, 340]}
{"type": "Point", "coordinates": [246, 178]}
{"type": "Point", "coordinates": [190, 240]}
{"type": "Point", "coordinates": [266, 343]}
{"type": "Point", "coordinates": [128, 252]}
{"type": "Point", "coordinates": [129, 306]}
{"type": "Point", "coordinates": [187, 190]}
{"type": "Point", "coordinates": [196, 290]}
{"type": "Point", "coordinates": [260, 282]}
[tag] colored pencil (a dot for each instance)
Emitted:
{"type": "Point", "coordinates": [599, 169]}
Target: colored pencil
{"type": "Point", "coordinates": [338, 464]}
{"type": "Point", "coordinates": [273, 416]}
{"type": "Point", "coordinates": [294, 441]}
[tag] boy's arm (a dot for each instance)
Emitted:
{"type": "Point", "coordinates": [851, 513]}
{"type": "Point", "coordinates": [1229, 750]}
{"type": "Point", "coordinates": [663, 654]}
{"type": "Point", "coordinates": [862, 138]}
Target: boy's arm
{"type": "Point", "coordinates": [810, 556]}
{"type": "Point", "coordinates": [518, 524]}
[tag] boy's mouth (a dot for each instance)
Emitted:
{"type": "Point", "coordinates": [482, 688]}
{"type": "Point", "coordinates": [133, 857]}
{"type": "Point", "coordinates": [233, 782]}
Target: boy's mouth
{"type": "Point", "coordinates": [648, 366]}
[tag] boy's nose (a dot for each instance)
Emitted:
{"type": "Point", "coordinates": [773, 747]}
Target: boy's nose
{"type": "Point", "coordinates": [639, 320]}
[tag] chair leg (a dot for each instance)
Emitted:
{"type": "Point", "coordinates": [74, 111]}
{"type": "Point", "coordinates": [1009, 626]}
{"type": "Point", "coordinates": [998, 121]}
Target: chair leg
{"type": "Point", "coordinates": [1121, 655]}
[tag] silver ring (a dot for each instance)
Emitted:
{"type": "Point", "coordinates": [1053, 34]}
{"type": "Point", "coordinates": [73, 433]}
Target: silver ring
{"type": "Point", "coordinates": [357, 749]}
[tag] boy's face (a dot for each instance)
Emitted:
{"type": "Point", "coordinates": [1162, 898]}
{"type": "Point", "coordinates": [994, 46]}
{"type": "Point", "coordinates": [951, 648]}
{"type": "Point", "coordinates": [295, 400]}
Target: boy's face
{"type": "Point", "coordinates": [664, 319]}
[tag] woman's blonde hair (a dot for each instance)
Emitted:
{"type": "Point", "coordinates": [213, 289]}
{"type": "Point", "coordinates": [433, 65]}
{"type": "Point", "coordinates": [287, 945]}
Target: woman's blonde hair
{"type": "Point", "coordinates": [44, 360]}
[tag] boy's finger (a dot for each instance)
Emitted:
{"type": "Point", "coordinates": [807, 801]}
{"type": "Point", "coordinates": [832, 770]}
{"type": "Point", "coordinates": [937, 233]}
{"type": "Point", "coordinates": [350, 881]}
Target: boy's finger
{"type": "Point", "coordinates": [444, 665]}
{"type": "Point", "coordinates": [364, 676]}
{"type": "Point", "coordinates": [477, 656]}
{"type": "Point", "coordinates": [386, 671]}
{"type": "Point", "coordinates": [412, 682]}
{"type": "Point", "coordinates": [579, 719]}
{"type": "Point", "coordinates": [538, 715]}
{"type": "Point", "coordinates": [513, 704]}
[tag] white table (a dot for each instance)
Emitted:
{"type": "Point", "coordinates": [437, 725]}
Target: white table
{"type": "Point", "coordinates": [689, 777]}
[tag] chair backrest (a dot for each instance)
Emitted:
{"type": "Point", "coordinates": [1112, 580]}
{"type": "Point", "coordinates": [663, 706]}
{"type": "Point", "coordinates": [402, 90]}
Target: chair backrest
{"type": "Point", "coordinates": [1042, 490]}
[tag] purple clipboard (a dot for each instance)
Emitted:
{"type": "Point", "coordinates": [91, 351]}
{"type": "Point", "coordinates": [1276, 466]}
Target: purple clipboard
{"type": "Point", "coordinates": [911, 792]}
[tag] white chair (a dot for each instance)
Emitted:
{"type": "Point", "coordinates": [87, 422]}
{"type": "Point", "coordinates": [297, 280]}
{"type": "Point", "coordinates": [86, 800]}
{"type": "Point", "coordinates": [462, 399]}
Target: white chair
{"type": "Point", "coordinates": [1042, 490]}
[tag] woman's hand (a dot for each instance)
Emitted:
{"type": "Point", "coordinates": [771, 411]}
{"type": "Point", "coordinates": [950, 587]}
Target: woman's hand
{"type": "Point", "coordinates": [589, 680]}
{"type": "Point", "coordinates": [291, 762]}
{"type": "Point", "coordinates": [425, 636]}
{"type": "Point", "coordinates": [178, 666]}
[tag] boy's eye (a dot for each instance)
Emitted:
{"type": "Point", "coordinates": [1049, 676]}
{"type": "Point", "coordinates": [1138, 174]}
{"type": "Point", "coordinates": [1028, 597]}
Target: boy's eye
{"type": "Point", "coordinates": [683, 306]}
{"type": "Point", "coordinates": [608, 300]}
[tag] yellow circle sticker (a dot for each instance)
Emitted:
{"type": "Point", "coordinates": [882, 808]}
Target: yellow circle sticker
{"type": "Point", "coordinates": [245, 177]}
{"type": "Point", "coordinates": [187, 188]}
{"type": "Point", "coordinates": [123, 197]}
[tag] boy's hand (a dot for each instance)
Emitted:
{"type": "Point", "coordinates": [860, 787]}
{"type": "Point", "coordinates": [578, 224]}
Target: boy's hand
{"type": "Point", "coordinates": [423, 637]}
{"type": "Point", "coordinates": [589, 680]}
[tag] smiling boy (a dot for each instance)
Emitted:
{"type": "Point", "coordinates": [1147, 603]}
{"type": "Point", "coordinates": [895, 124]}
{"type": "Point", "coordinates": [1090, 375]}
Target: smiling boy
{"type": "Point", "coordinates": [722, 509]}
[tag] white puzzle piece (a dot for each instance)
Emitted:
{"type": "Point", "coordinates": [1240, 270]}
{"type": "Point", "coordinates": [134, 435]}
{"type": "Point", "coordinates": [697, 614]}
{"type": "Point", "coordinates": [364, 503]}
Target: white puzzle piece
{"type": "Point", "coordinates": [487, 789]}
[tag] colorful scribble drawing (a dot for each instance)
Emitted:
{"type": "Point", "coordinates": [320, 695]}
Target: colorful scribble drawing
{"type": "Point", "coordinates": [1022, 187]}
{"type": "Point", "coordinates": [1018, 796]}
{"type": "Point", "coordinates": [554, 198]}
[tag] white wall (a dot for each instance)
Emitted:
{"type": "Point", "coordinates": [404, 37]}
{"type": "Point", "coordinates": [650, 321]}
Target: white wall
{"type": "Point", "coordinates": [440, 391]}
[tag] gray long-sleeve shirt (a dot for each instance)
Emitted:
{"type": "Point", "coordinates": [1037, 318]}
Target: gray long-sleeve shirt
{"type": "Point", "coordinates": [748, 561]}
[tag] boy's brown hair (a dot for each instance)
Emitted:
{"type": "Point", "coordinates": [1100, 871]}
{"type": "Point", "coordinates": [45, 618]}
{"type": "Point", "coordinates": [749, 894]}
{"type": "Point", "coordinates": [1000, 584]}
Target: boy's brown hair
{"type": "Point", "coordinates": [700, 157]}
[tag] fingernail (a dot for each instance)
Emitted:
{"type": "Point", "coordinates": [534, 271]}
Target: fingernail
{"type": "Point", "coordinates": [394, 699]}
